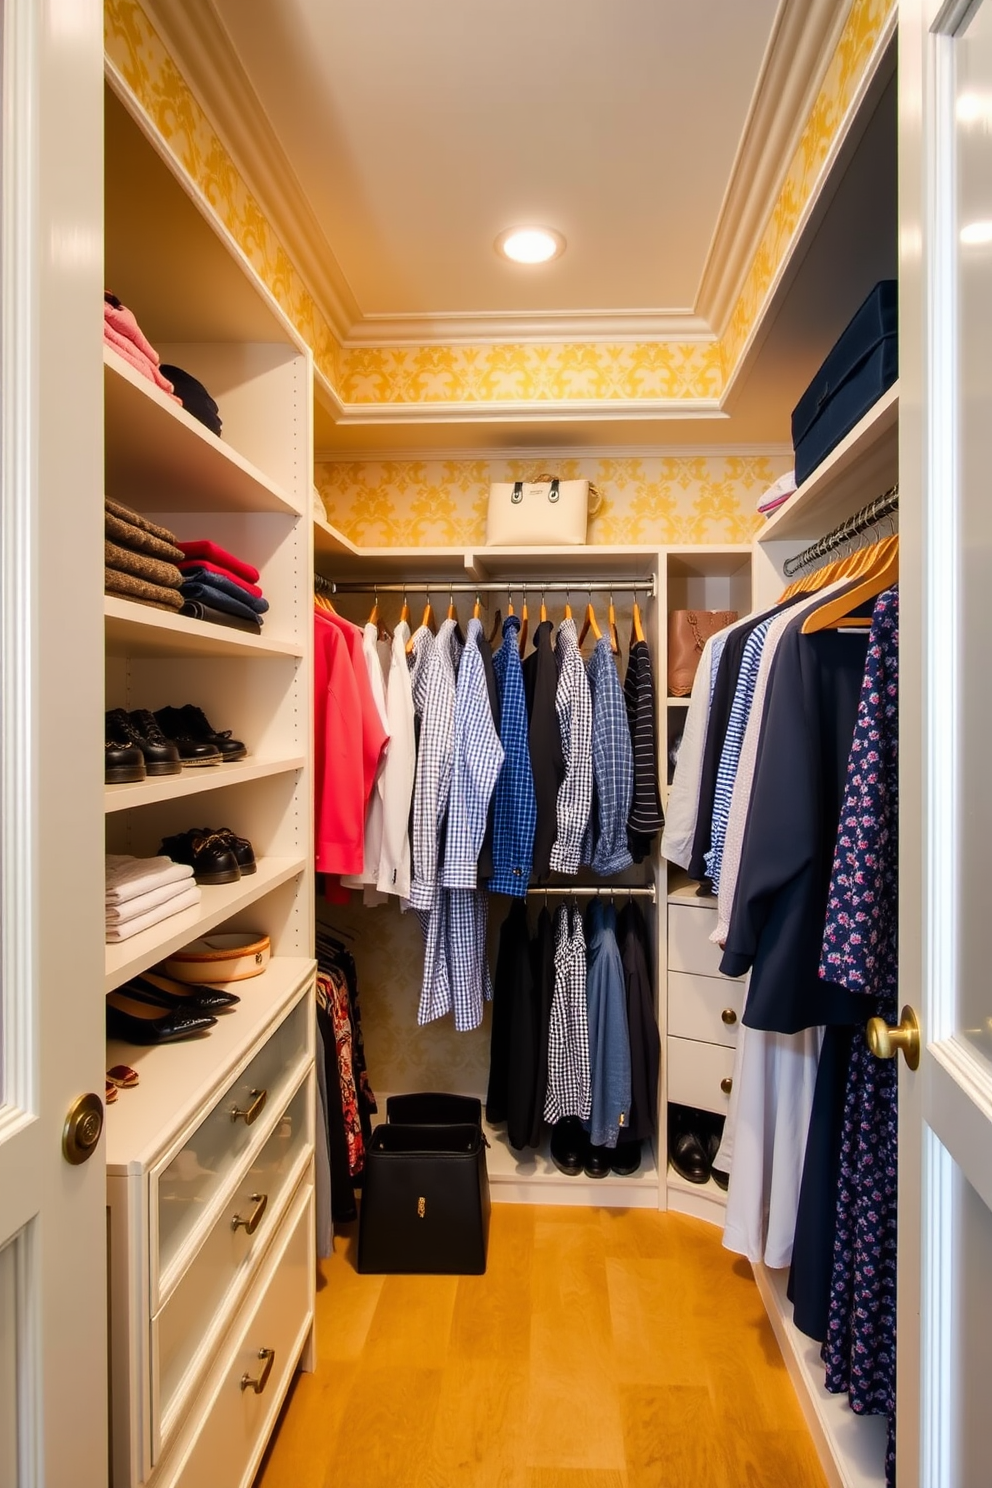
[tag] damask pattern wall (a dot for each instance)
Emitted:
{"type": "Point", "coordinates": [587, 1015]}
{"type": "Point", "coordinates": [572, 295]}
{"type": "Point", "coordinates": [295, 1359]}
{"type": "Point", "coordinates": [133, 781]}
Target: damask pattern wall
{"type": "Point", "coordinates": [667, 499]}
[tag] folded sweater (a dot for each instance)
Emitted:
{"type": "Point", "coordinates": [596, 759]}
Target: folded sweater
{"type": "Point", "coordinates": [128, 586]}
{"type": "Point", "coordinates": [135, 519]}
{"type": "Point", "coordinates": [136, 540]}
{"type": "Point", "coordinates": [204, 548]}
{"type": "Point", "coordinates": [223, 585]}
{"type": "Point", "coordinates": [153, 570]}
{"type": "Point", "coordinates": [131, 909]}
{"type": "Point", "coordinates": [136, 359]}
{"type": "Point", "coordinates": [198, 568]}
{"type": "Point", "coordinates": [187, 900]}
{"type": "Point", "coordinates": [209, 595]}
{"type": "Point", "coordinates": [197, 610]}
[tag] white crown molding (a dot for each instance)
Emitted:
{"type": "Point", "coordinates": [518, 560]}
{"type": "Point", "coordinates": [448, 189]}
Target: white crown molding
{"type": "Point", "coordinates": [495, 328]}
{"type": "Point", "coordinates": [201, 48]}
{"type": "Point", "coordinates": [800, 48]}
{"type": "Point", "coordinates": [493, 454]}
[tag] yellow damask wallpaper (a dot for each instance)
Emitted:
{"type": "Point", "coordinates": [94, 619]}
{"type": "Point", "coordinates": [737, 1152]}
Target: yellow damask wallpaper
{"type": "Point", "coordinates": [671, 371]}
{"type": "Point", "coordinates": [664, 498]}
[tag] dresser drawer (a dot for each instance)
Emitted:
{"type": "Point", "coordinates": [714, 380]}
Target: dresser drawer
{"type": "Point", "coordinates": [696, 1075]}
{"type": "Point", "coordinates": [706, 1008]}
{"type": "Point", "coordinates": [181, 1332]}
{"type": "Point", "coordinates": [689, 944]}
{"type": "Point", "coordinates": [226, 1445]}
{"type": "Point", "coordinates": [183, 1187]}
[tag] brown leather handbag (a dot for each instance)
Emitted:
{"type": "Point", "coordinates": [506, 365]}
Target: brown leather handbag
{"type": "Point", "coordinates": [688, 632]}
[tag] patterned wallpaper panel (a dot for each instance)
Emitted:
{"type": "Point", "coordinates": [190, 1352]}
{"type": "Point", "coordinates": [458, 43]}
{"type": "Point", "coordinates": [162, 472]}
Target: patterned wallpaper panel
{"type": "Point", "coordinates": [665, 499]}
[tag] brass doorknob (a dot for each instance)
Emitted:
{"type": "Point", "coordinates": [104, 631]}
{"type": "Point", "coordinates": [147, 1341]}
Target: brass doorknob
{"type": "Point", "coordinates": [83, 1125]}
{"type": "Point", "coordinates": [885, 1042]}
{"type": "Point", "coordinates": [726, 1084]}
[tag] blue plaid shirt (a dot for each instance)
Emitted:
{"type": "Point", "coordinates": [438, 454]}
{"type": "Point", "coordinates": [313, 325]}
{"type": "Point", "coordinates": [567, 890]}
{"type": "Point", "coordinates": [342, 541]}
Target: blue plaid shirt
{"type": "Point", "coordinates": [478, 759]}
{"type": "Point", "coordinates": [516, 804]}
{"type": "Point", "coordinates": [605, 843]}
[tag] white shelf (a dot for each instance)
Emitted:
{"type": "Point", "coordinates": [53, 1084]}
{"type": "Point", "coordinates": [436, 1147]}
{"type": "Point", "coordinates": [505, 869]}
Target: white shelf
{"type": "Point", "coordinates": [677, 702]}
{"type": "Point", "coordinates": [684, 890]}
{"type": "Point", "coordinates": [141, 630]}
{"type": "Point", "coordinates": [851, 1448]}
{"type": "Point", "coordinates": [861, 467]}
{"type": "Point", "coordinates": [195, 781]}
{"type": "Point", "coordinates": [160, 458]}
{"type": "Point", "coordinates": [328, 542]}
{"type": "Point", "coordinates": [176, 1079]}
{"type": "Point", "coordinates": [701, 1200]}
{"type": "Point", "coordinates": [217, 904]}
{"type": "Point", "coordinates": [531, 1177]}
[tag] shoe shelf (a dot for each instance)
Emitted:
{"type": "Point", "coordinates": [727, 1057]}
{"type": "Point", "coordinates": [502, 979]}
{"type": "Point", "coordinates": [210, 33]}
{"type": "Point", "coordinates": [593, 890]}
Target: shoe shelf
{"type": "Point", "coordinates": [159, 454]}
{"type": "Point", "coordinates": [136, 630]}
{"type": "Point", "coordinates": [194, 781]}
{"type": "Point", "coordinates": [701, 1200]}
{"type": "Point", "coordinates": [217, 904]}
{"type": "Point", "coordinates": [176, 1080]}
{"type": "Point", "coordinates": [531, 1177]}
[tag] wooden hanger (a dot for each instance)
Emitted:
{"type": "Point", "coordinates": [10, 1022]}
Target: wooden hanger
{"type": "Point", "coordinates": [322, 597]}
{"type": "Point", "coordinates": [374, 616]}
{"type": "Point", "coordinates": [544, 609]}
{"type": "Point", "coordinates": [427, 619]}
{"type": "Point", "coordinates": [405, 611]}
{"type": "Point", "coordinates": [589, 624]}
{"type": "Point", "coordinates": [568, 606]}
{"type": "Point", "coordinates": [477, 609]}
{"type": "Point", "coordinates": [523, 624]}
{"type": "Point", "coordinates": [614, 633]}
{"type": "Point", "coordinates": [452, 609]}
{"type": "Point", "coordinates": [494, 634]}
{"type": "Point", "coordinates": [636, 628]}
{"type": "Point", "coordinates": [880, 574]}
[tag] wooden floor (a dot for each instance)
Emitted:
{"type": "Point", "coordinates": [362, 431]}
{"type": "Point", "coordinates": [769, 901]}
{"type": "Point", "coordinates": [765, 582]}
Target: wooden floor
{"type": "Point", "coordinates": [602, 1349]}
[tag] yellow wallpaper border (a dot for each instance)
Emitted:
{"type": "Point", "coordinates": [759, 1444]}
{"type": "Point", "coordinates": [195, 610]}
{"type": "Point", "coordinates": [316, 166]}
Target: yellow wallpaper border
{"type": "Point", "coordinates": [485, 374]}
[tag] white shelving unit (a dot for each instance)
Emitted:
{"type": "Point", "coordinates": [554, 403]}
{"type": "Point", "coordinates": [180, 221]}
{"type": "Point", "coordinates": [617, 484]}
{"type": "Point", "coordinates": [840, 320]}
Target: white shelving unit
{"type": "Point", "coordinates": [250, 492]}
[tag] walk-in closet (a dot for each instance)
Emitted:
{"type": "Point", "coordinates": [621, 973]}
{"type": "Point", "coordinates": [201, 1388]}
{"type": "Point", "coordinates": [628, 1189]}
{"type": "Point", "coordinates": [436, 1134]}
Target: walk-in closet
{"type": "Point", "coordinates": [541, 1005]}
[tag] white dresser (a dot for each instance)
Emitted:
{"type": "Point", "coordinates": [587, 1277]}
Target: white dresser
{"type": "Point", "coordinates": [704, 1006]}
{"type": "Point", "coordinates": [210, 1220]}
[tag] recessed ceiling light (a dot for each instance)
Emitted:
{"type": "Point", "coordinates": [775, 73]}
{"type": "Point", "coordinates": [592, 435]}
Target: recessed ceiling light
{"type": "Point", "coordinates": [977, 233]}
{"type": "Point", "coordinates": [530, 245]}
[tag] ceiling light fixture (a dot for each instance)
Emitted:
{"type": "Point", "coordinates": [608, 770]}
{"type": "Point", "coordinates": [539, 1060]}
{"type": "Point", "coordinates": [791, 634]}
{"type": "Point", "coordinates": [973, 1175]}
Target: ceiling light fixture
{"type": "Point", "coordinates": [530, 245]}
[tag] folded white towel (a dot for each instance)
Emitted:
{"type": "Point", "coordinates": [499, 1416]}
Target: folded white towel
{"type": "Point", "coordinates": [127, 876]}
{"type": "Point", "coordinates": [120, 914]}
{"type": "Point", "coordinates": [187, 900]}
{"type": "Point", "coordinates": [784, 486]}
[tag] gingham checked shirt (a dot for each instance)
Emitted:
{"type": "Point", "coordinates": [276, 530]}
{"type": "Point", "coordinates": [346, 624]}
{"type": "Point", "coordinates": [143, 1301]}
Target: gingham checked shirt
{"type": "Point", "coordinates": [516, 804]}
{"type": "Point", "coordinates": [478, 759]}
{"type": "Point", "coordinates": [573, 704]}
{"type": "Point", "coordinates": [604, 845]}
{"type": "Point", "coordinates": [435, 759]}
{"type": "Point", "coordinates": [569, 1090]}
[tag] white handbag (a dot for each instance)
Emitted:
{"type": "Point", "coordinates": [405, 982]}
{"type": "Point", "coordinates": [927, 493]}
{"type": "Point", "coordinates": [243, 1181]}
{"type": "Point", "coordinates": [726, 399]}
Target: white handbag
{"type": "Point", "coordinates": [537, 514]}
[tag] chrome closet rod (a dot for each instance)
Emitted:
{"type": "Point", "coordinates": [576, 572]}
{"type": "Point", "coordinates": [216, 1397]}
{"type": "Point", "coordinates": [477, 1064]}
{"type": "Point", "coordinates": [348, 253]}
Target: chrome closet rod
{"type": "Point", "coordinates": [597, 891]}
{"type": "Point", "coordinates": [625, 585]}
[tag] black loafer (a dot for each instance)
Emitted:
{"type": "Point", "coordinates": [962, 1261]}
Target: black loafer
{"type": "Point", "coordinates": [240, 846]}
{"type": "Point", "coordinates": [143, 1023]}
{"type": "Point", "coordinates": [568, 1146]}
{"type": "Point", "coordinates": [123, 763]}
{"type": "Point", "coordinates": [161, 754]}
{"type": "Point", "coordinates": [626, 1158]}
{"type": "Point", "coordinates": [209, 856]}
{"type": "Point", "coordinates": [687, 1133]}
{"type": "Point", "coordinates": [713, 1140]}
{"type": "Point", "coordinates": [599, 1160]}
{"type": "Point", "coordinates": [163, 991]}
{"type": "Point", "coordinates": [191, 724]}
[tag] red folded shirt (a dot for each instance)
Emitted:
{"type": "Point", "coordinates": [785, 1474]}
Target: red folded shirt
{"type": "Point", "coordinates": [204, 548]}
{"type": "Point", "coordinates": [225, 573]}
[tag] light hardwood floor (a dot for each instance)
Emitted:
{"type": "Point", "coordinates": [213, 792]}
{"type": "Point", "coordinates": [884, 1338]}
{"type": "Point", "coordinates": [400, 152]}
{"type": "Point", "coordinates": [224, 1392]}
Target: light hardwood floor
{"type": "Point", "coordinates": [602, 1349]}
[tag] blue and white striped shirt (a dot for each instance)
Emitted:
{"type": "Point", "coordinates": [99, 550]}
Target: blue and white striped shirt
{"type": "Point", "coordinates": [730, 755]}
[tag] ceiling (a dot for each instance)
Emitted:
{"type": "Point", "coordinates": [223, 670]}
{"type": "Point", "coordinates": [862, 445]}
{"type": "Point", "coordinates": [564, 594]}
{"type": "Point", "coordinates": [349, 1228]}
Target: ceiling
{"type": "Point", "coordinates": [418, 132]}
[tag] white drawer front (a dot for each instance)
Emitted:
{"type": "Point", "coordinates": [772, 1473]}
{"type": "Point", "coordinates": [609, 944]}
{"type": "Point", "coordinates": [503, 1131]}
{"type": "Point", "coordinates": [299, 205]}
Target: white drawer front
{"type": "Point", "coordinates": [183, 1189]}
{"type": "Point", "coordinates": [232, 1435]}
{"type": "Point", "coordinates": [223, 1263]}
{"type": "Point", "coordinates": [689, 944]}
{"type": "Point", "coordinates": [697, 1073]}
{"type": "Point", "coordinates": [707, 1008]}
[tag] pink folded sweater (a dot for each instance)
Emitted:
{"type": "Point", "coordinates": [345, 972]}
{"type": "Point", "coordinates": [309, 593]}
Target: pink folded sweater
{"type": "Point", "coordinates": [123, 333]}
{"type": "Point", "coordinates": [204, 548]}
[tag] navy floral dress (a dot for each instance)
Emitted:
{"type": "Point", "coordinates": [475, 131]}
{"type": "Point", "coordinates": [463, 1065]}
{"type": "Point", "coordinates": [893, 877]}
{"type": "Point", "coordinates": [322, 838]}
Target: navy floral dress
{"type": "Point", "coordinates": [860, 952]}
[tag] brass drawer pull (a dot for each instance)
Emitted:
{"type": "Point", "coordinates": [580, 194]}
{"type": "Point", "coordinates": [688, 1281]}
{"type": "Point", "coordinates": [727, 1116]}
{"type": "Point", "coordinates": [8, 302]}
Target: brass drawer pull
{"type": "Point", "coordinates": [254, 1110]}
{"type": "Point", "coordinates": [726, 1084]}
{"type": "Point", "coordinates": [729, 1017]}
{"type": "Point", "coordinates": [258, 1385]}
{"type": "Point", "coordinates": [252, 1222]}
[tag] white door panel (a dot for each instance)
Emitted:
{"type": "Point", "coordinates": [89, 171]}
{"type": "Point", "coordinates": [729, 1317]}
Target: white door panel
{"type": "Point", "coordinates": [53, 1371]}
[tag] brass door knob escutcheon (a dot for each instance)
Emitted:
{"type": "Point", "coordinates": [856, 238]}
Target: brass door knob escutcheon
{"type": "Point", "coordinates": [885, 1042]}
{"type": "Point", "coordinates": [83, 1125]}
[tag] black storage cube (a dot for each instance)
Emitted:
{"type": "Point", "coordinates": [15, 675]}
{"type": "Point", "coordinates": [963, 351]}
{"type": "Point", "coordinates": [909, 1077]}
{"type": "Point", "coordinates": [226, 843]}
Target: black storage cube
{"type": "Point", "coordinates": [434, 1108]}
{"type": "Point", "coordinates": [863, 362]}
{"type": "Point", "coordinates": [425, 1201]}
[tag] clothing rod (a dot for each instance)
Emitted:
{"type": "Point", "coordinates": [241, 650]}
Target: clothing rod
{"type": "Point", "coordinates": [596, 891]}
{"type": "Point", "coordinates": [876, 511]}
{"type": "Point", "coordinates": [625, 585]}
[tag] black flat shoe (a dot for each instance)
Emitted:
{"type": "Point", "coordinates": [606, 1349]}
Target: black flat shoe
{"type": "Point", "coordinates": [209, 856]}
{"type": "Point", "coordinates": [713, 1140]}
{"type": "Point", "coordinates": [598, 1161]}
{"type": "Point", "coordinates": [569, 1144]}
{"type": "Point", "coordinates": [191, 724]}
{"type": "Point", "coordinates": [164, 992]}
{"type": "Point", "coordinates": [161, 754]}
{"type": "Point", "coordinates": [123, 762]}
{"type": "Point", "coordinates": [144, 1023]}
{"type": "Point", "coordinates": [626, 1158]}
{"type": "Point", "coordinates": [240, 846]}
